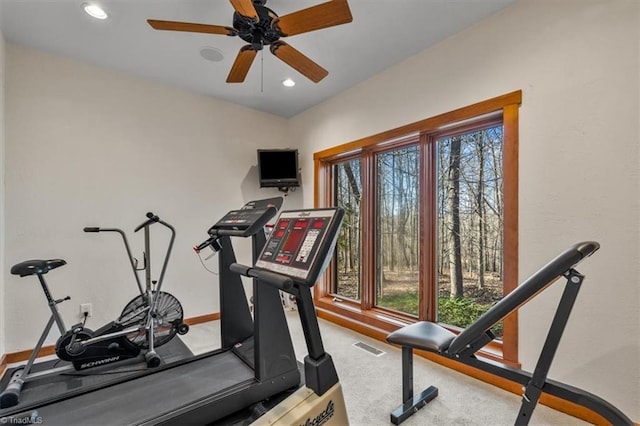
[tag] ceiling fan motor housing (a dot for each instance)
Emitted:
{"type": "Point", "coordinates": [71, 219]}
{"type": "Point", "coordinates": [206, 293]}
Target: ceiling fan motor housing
{"type": "Point", "coordinates": [260, 33]}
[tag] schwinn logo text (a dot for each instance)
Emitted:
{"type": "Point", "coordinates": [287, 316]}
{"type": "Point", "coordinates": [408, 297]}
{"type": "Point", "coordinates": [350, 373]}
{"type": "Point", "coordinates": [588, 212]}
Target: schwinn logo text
{"type": "Point", "coordinates": [323, 417]}
{"type": "Point", "coordinates": [99, 362]}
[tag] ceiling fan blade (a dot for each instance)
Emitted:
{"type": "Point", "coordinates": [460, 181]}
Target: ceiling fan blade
{"type": "Point", "coordinates": [242, 64]}
{"type": "Point", "coordinates": [190, 27]}
{"type": "Point", "coordinates": [245, 8]}
{"type": "Point", "coordinates": [298, 61]}
{"type": "Point", "coordinates": [334, 12]}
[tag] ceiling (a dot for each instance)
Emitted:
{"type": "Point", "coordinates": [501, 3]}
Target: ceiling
{"type": "Point", "coordinates": [383, 33]}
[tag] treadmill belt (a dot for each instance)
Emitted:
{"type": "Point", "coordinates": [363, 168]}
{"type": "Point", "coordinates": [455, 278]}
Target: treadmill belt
{"type": "Point", "coordinates": [76, 382]}
{"type": "Point", "coordinates": [146, 397]}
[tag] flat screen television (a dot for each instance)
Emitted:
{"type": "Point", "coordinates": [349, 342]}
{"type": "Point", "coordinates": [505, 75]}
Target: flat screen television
{"type": "Point", "coordinates": [278, 168]}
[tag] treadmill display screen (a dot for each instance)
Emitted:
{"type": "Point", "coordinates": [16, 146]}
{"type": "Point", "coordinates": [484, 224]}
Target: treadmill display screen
{"type": "Point", "coordinates": [239, 219]}
{"type": "Point", "coordinates": [301, 243]}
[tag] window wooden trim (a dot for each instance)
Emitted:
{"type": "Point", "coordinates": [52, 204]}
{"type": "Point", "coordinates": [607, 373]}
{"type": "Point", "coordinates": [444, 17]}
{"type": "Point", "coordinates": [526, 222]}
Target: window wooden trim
{"type": "Point", "coordinates": [377, 322]}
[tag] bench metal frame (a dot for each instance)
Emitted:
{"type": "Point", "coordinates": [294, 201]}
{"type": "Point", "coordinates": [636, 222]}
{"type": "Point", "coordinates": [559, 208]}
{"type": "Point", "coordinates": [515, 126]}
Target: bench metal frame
{"type": "Point", "coordinates": [463, 347]}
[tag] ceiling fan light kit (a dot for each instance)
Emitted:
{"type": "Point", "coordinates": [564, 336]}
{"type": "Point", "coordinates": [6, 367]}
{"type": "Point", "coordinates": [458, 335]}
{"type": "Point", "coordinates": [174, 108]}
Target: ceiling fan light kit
{"type": "Point", "coordinates": [260, 26]}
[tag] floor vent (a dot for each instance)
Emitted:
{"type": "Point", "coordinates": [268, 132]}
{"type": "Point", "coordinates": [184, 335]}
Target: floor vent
{"type": "Point", "coordinates": [370, 349]}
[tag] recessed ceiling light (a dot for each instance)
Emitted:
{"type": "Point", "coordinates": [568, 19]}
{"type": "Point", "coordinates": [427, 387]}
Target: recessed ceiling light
{"type": "Point", "coordinates": [288, 83]}
{"type": "Point", "coordinates": [95, 11]}
{"type": "Point", "coordinates": [211, 54]}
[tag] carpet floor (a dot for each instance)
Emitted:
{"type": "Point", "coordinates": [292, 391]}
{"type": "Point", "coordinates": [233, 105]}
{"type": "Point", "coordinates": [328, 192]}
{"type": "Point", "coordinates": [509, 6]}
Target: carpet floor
{"type": "Point", "coordinates": [372, 384]}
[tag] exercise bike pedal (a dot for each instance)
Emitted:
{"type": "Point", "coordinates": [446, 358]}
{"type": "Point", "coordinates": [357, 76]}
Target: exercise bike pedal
{"type": "Point", "coordinates": [77, 328]}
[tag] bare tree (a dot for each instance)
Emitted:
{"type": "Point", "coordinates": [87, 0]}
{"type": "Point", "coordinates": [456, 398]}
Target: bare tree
{"type": "Point", "coordinates": [354, 201]}
{"type": "Point", "coordinates": [455, 259]}
{"type": "Point", "coordinates": [348, 196]}
{"type": "Point", "coordinates": [480, 210]}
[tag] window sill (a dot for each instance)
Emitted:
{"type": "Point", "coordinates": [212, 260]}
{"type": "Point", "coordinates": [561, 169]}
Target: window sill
{"type": "Point", "coordinates": [378, 323]}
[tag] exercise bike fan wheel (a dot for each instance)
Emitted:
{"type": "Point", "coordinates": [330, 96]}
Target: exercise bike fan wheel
{"type": "Point", "coordinates": [166, 323]}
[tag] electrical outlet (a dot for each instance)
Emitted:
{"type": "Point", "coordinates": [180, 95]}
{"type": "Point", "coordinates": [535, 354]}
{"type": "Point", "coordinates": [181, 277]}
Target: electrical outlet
{"type": "Point", "coordinates": [85, 308]}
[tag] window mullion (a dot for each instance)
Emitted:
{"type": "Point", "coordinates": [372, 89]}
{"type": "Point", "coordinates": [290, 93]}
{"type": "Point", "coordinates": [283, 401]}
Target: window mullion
{"type": "Point", "coordinates": [429, 288]}
{"type": "Point", "coordinates": [368, 230]}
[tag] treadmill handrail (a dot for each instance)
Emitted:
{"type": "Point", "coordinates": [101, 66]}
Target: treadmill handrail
{"type": "Point", "coordinates": [281, 282]}
{"type": "Point", "coordinates": [537, 282]}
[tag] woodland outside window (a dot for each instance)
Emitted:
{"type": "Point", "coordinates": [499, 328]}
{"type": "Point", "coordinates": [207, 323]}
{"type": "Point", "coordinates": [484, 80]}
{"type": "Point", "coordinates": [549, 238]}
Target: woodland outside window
{"type": "Point", "coordinates": [430, 228]}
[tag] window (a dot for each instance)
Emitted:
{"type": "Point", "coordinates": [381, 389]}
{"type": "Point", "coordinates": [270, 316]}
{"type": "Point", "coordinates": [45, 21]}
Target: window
{"type": "Point", "coordinates": [348, 194]}
{"type": "Point", "coordinates": [430, 228]}
{"type": "Point", "coordinates": [470, 206]}
{"type": "Point", "coordinates": [397, 236]}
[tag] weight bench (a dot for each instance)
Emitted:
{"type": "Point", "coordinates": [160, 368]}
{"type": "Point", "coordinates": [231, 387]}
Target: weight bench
{"type": "Point", "coordinates": [434, 338]}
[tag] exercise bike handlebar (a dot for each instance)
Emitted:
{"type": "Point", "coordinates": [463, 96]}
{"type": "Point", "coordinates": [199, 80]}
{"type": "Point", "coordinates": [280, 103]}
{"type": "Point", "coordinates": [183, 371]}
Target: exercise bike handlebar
{"type": "Point", "coordinates": [152, 219]}
{"type": "Point", "coordinates": [132, 260]}
{"type": "Point", "coordinates": [279, 281]}
{"type": "Point", "coordinates": [169, 249]}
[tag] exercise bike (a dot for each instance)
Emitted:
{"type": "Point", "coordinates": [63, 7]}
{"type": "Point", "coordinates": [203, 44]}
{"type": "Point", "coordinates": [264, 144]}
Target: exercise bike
{"type": "Point", "coordinates": [149, 320]}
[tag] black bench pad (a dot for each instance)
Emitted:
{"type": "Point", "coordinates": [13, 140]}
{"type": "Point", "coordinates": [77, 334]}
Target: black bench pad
{"type": "Point", "coordinates": [423, 335]}
{"type": "Point", "coordinates": [36, 266]}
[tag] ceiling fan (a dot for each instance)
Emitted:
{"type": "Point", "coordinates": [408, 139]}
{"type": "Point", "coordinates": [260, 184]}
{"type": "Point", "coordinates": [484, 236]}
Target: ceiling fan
{"type": "Point", "coordinates": [260, 26]}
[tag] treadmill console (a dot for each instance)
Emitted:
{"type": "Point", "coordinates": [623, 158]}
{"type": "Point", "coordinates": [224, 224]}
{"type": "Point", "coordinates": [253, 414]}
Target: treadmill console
{"type": "Point", "coordinates": [245, 222]}
{"type": "Point", "coordinates": [239, 220]}
{"type": "Point", "coordinates": [251, 217]}
{"type": "Point", "coordinates": [301, 244]}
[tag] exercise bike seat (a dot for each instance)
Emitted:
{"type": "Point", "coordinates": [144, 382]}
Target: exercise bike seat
{"type": "Point", "coordinates": [36, 266]}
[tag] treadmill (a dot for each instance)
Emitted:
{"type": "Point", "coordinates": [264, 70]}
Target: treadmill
{"type": "Point", "coordinates": [255, 363]}
{"type": "Point", "coordinates": [297, 252]}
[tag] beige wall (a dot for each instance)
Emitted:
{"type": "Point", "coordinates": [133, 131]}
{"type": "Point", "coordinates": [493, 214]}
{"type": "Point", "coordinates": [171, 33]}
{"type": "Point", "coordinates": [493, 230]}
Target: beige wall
{"type": "Point", "coordinates": [576, 62]}
{"type": "Point", "coordinates": [91, 147]}
{"type": "Point", "coordinates": [2, 186]}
